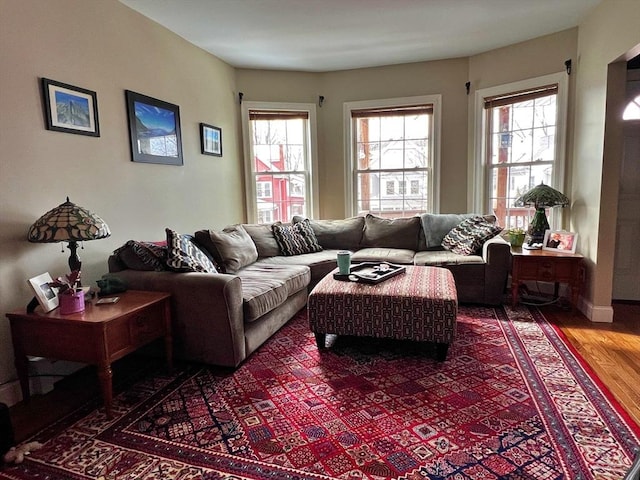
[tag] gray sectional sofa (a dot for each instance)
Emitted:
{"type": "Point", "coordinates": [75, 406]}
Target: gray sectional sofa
{"type": "Point", "coordinates": [221, 318]}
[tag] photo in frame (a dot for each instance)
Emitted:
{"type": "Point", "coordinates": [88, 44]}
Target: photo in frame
{"type": "Point", "coordinates": [154, 130]}
{"type": "Point", "coordinates": [47, 296]}
{"type": "Point", "coordinates": [70, 109]}
{"type": "Point", "coordinates": [210, 140]}
{"type": "Point", "coordinates": [560, 241]}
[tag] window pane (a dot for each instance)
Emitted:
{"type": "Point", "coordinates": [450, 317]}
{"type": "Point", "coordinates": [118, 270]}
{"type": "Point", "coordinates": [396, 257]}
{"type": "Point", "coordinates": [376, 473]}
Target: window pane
{"type": "Point", "coordinates": [521, 133]}
{"type": "Point", "coordinates": [279, 147]}
{"type": "Point", "coordinates": [393, 145]}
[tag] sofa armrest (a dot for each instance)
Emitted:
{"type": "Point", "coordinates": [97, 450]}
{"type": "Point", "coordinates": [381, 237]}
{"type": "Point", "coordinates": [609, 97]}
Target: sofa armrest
{"type": "Point", "coordinates": [496, 253]}
{"type": "Point", "coordinates": [207, 312]}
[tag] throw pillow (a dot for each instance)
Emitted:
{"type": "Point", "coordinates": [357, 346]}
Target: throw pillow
{"type": "Point", "coordinates": [142, 255]}
{"type": "Point", "coordinates": [469, 235]}
{"type": "Point", "coordinates": [437, 225]}
{"type": "Point", "coordinates": [296, 239]}
{"type": "Point", "coordinates": [232, 248]}
{"type": "Point", "coordinates": [184, 256]}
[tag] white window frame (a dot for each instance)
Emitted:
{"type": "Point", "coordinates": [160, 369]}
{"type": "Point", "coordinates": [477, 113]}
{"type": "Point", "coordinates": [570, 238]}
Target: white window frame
{"type": "Point", "coordinates": [311, 169]}
{"type": "Point", "coordinates": [350, 144]}
{"type": "Point", "coordinates": [479, 180]}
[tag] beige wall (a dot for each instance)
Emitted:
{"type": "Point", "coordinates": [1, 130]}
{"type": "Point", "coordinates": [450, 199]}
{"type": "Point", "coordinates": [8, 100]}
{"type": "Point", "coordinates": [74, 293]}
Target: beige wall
{"type": "Point", "coordinates": [610, 33]}
{"type": "Point", "coordinates": [443, 77]}
{"type": "Point", "coordinates": [106, 47]}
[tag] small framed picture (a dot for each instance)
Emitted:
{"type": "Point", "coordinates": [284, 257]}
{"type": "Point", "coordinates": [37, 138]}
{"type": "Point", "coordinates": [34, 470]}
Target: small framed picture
{"type": "Point", "coordinates": [211, 140]}
{"type": "Point", "coordinates": [560, 241]}
{"type": "Point", "coordinates": [70, 109]}
{"type": "Point", "coordinates": [47, 296]}
{"type": "Point", "coordinates": [154, 130]}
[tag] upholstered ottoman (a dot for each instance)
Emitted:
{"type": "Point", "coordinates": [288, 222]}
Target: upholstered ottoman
{"type": "Point", "coordinates": [421, 304]}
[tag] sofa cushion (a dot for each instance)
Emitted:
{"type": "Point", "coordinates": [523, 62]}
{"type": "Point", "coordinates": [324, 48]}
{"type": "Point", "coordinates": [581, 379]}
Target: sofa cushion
{"type": "Point", "coordinates": [184, 256]}
{"type": "Point", "coordinates": [262, 236]}
{"type": "Point", "coordinates": [337, 234]}
{"type": "Point", "coordinates": [382, 254]}
{"type": "Point", "coordinates": [295, 239]}
{"type": "Point", "coordinates": [391, 233]}
{"type": "Point", "coordinates": [469, 236]}
{"type": "Point", "coordinates": [265, 287]}
{"type": "Point", "coordinates": [445, 257]}
{"type": "Point", "coordinates": [142, 256]}
{"type": "Point", "coordinates": [232, 248]}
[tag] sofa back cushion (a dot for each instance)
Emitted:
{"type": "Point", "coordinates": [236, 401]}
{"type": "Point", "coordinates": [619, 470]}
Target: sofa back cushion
{"type": "Point", "coordinates": [437, 225]}
{"type": "Point", "coordinates": [337, 234]}
{"type": "Point", "coordinates": [391, 233]}
{"type": "Point", "coordinates": [232, 248]}
{"type": "Point", "coordinates": [262, 236]}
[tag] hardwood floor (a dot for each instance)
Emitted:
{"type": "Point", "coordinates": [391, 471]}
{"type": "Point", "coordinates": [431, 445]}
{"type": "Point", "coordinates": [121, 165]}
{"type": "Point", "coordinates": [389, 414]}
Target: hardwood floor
{"type": "Point", "coordinates": [612, 351]}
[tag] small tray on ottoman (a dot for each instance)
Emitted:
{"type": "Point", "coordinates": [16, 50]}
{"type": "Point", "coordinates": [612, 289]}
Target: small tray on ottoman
{"type": "Point", "coordinates": [371, 272]}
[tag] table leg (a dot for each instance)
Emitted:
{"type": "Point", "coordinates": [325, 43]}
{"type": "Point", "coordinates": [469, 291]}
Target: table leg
{"type": "Point", "coordinates": [106, 385]}
{"type": "Point", "coordinates": [321, 341]}
{"type": "Point", "coordinates": [514, 293]}
{"type": "Point", "coordinates": [22, 364]}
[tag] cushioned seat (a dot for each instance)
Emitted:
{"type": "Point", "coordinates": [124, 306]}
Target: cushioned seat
{"type": "Point", "coordinates": [445, 257]}
{"type": "Point", "coordinates": [384, 254]}
{"type": "Point", "coordinates": [265, 287]}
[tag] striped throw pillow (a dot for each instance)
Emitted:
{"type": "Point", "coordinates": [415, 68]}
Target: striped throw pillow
{"type": "Point", "coordinates": [469, 235]}
{"type": "Point", "coordinates": [296, 238]}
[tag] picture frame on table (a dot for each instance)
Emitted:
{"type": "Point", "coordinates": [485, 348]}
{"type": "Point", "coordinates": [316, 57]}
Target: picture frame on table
{"type": "Point", "coordinates": [154, 130]}
{"type": "Point", "coordinates": [210, 140]}
{"type": "Point", "coordinates": [560, 241]}
{"type": "Point", "coordinates": [70, 109]}
{"type": "Point", "coordinates": [47, 296]}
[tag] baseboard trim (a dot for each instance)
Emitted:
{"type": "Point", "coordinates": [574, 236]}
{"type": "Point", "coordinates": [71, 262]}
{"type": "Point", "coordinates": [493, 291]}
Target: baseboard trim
{"type": "Point", "coordinates": [597, 314]}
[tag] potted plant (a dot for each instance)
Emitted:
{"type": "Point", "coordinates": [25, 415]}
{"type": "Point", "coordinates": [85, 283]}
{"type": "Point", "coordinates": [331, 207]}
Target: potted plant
{"type": "Point", "coordinates": [516, 236]}
{"type": "Point", "coordinates": [70, 296]}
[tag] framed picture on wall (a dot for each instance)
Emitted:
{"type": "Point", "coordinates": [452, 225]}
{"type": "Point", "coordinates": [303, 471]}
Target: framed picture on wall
{"type": "Point", "coordinates": [47, 296]}
{"type": "Point", "coordinates": [560, 241]}
{"type": "Point", "coordinates": [70, 109]}
{"type": "Point", "coordinates": [210, 140]}
{"type": "Point", "coordinates": [154, 130]}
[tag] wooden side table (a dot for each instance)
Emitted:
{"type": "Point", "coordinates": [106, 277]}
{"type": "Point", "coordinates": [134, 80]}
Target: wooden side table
{"type": "Point", "coordinates": [98, 336]}
{"type": "Point", "coordinates": [546, 266]}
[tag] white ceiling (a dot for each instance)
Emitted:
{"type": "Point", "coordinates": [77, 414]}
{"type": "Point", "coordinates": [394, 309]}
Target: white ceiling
{"type": "Point", "coordinates": [327, 35]}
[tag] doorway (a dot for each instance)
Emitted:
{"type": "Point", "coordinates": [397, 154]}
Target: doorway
{"type": "Point", "coordinates": [626, 281]}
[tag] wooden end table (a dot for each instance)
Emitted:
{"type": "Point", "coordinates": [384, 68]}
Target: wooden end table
{"type": "Point", "coordinates": [546, 266]}
{"type": "Point", "coordinates": [98, 336]}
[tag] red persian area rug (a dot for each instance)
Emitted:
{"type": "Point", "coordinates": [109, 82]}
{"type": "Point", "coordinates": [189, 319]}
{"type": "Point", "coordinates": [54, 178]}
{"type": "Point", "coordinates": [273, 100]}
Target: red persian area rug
{"type": "Point", "coordinates": [512, 401]}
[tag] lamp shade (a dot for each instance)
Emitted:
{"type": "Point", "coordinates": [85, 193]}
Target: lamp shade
{"type": "Point", "coordinates": [68, 223]}
{"type": "Point", "coordinates": [542, 196]}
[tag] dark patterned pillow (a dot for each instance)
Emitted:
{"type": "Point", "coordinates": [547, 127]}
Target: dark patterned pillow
{"type": "Point", "coordinates": [142, 255]}
{"type": "Point", "coordinates": [184, 256]}
{"type": "Point", "coordinates": [296, 239]}
{"type": "Point", "coordinates": [469, 235]}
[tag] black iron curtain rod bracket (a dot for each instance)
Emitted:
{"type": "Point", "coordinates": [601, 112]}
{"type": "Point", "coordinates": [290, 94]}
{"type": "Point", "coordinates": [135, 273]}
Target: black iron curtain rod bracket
{"type": "Point", "coordinates": [468, 87]}
{"type": "Point", "coordinates": [567, 66]}
{"type": "Point", "coordinates": [320, 100]}
{"type": "Point", "coordinates": [240, 95]}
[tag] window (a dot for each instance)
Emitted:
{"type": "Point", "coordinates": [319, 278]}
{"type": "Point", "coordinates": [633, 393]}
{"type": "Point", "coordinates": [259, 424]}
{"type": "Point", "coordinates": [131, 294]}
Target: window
{"type": "Point", "coordinates": [522, 145]}
{"type": "Point", "coordinates": [263, 189]}
{"type": "Point", "coordinates": [391, 144]}
{"type": "Point", "coordinates": [279, 156]}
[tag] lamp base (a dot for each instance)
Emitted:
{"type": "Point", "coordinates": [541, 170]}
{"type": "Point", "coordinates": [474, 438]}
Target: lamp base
{"type": "Point", "coordinates": [537, 228]}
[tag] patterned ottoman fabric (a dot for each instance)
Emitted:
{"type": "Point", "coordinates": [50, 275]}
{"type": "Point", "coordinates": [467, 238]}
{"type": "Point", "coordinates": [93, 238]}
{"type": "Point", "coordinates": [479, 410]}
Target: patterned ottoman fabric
{"type": "Point", "coordinates": [421, 304]}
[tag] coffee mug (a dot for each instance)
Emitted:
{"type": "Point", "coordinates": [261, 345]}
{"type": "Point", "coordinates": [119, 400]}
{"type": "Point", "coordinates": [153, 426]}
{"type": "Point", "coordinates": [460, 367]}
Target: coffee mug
{"type": "Point", "coordinates": [344, 262]}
